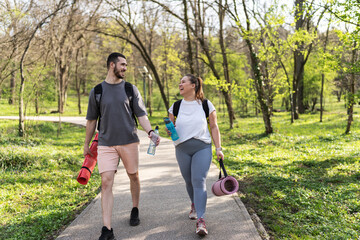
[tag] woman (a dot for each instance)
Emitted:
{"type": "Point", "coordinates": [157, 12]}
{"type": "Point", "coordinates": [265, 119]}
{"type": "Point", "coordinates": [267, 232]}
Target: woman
{"type": "Point", "coordinates": [193, 148]}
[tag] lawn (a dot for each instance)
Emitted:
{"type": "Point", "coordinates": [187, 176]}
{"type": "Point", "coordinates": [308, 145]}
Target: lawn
{"type": "Point", "coordinates": [303, 181]}
{"type": "Point", "coordinates": [39, 193]}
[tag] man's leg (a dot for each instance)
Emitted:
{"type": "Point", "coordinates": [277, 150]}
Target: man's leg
{"type": "Point", "coordinates": [107, 197]}
{"type": "Point", "coordinates": [129, 155]}
{"type": "Point", "coordinates": [135, 188]}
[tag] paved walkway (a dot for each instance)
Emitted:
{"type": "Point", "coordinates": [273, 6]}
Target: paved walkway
{"type": "Point", "coordinates": [164, 204]}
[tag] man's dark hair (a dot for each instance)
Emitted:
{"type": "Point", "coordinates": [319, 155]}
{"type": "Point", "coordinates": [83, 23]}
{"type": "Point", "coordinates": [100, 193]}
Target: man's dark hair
{"type": "Point", "coordinates": [113, 57]}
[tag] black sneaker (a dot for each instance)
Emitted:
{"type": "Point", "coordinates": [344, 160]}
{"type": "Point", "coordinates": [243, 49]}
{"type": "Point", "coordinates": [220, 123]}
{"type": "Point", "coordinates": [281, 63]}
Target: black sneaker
{"type": "Point", "coordinates": [106, 234]}
{"type": "Point", "coordinates": [134, 217]}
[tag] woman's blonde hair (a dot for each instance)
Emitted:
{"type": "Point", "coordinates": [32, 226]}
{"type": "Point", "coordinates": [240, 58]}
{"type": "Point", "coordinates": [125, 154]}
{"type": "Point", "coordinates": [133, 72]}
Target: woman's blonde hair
{"type": "Point", "coordinates": [199, 94]}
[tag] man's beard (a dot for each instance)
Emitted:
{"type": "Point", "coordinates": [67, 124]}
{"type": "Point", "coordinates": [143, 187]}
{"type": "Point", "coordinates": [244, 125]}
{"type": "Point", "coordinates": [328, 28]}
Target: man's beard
{"type": "Point", "coordinates": [117, 73]}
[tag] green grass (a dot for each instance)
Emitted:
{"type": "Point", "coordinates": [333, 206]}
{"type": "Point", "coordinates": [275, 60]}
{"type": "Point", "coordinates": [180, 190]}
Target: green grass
{"type": "Point", "coordinates": [39, 193]}
{"type": "Point", "coordinates": [303, 181]}
{"type": "Point", "coordinates": [45, 108]}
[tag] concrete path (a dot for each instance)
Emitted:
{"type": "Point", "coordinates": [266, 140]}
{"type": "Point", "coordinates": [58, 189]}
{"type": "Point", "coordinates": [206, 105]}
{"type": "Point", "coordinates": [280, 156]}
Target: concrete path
{"type": "Point", "coordinates": [164, 204]}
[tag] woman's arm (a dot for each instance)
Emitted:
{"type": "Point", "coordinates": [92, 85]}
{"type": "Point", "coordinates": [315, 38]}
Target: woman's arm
{"type": "Point", "coordinates": [172, 118]}
{"type": "Point", "coordinates": [215, 134]}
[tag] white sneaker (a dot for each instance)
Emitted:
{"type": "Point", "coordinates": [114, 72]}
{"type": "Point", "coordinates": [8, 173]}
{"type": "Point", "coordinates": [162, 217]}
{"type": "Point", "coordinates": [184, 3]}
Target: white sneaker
{"type": "Point", "coordinates": [201, 227]}
{"type": "Point", "coordinates": [192, 214]}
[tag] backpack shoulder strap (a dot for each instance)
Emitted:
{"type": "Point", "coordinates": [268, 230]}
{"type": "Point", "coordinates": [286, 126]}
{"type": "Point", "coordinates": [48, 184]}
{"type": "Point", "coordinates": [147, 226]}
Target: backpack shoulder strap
{"type": "Point", "coordinates": [176, 108]}
{"type": "Point", "coordinates": [130, 94]}
{"type": "Point", "coordinates": [205, 107]}
{"type": "Point", "coordinates": [129, 91]}
{"type": "Point", "coordinates": [97, 95]}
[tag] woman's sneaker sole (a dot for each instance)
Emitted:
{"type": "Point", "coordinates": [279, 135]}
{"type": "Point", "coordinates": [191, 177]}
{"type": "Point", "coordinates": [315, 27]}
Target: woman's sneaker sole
{"type": "Point", "coordinates": [202, 232]}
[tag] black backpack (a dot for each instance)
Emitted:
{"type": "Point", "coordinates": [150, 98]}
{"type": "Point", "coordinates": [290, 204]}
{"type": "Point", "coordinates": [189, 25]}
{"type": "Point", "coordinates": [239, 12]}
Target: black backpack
{"type": "Point", "coordinates": [204, 105]}
{"type": "Point", "coordinates": [129, 93]}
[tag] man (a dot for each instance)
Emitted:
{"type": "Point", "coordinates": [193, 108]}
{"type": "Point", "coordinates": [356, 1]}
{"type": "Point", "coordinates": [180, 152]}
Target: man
{"type": "Point", "coordinates": [117, 137]}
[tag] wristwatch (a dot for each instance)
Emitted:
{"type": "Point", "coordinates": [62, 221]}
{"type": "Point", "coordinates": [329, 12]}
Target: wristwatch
{"type": "Point", "coordinates": [219, 149]}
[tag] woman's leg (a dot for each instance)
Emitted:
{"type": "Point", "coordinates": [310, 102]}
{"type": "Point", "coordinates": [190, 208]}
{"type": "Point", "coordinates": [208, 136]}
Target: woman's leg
{"type": "Point", "coordinates": [184, 161]}
{"type": "Point", "coordinates": [200, 165]}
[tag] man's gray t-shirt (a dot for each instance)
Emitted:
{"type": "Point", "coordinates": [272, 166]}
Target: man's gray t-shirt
{"type": "Point", "coordinates": [117, 126]}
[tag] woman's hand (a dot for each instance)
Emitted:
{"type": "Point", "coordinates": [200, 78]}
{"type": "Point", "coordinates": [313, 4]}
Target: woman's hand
{"type": "Point", "coordinates": [219, 155]}
{"type": "Point", "coordinates": [168, 132]}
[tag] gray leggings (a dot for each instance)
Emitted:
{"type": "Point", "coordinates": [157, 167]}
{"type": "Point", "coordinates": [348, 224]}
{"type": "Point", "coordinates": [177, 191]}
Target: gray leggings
{"type": "Point", "coordinates": [194, 158]}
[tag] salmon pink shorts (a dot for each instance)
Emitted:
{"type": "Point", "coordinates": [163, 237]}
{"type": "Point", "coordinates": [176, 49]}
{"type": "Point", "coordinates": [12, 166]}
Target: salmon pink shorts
{"type": "Point", "coordinates": [109, 157]}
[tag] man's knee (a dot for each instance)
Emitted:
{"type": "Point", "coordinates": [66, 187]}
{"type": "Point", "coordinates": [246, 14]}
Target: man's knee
{"type": "Point", "coordinates": [107, 181]}
{"type": "Point", "coordinates": [134, 177]}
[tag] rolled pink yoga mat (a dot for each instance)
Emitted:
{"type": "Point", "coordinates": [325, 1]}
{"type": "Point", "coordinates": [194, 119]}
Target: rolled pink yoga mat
{"type": "Point", "coordinates": [89, 163]}
{"type": "Point", "coordinates": [225, 185]}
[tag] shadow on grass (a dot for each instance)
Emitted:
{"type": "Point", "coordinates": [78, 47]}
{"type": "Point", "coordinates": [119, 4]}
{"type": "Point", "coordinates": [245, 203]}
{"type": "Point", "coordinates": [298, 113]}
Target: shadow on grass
{"type": "Point", "coordinates": [44, 225]}
{"type": "Point", "coordinates": [239, 138]}
{"type": "Point", "coordinates": [319, 170]}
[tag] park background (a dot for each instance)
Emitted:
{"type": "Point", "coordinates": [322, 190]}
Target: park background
{"type": "Point", "coordinates": [283, 76]}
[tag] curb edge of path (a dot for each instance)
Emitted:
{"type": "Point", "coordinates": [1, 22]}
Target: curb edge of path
{"type": "Point", "coordinates": [254, 217]}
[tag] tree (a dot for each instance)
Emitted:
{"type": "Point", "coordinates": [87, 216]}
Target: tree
{"type": "Point", "coordinates": [348, 12]}
{"type": "Point", "coordinates": [66, 37]}
{"type": "Point", "coordinates": [323, 74]}
{"type": "Point", "coordinates": [127, 30]}
{"type": "Point", "coordinates": [60, 5]}
{"type": "Point", "coordinates": [304, 37]}
{"type": "Point", "coordinates": [259, 66]}
{"type": "Point", "coordinates": [13, 14]}
{"type": "Point", "coordinates": [198, 29]}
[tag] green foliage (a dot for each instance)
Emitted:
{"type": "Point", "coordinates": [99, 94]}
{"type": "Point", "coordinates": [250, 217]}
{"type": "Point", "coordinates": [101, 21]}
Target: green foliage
{"type": "Point", "coordinates": [168, 62]}
{"type": "Point", "coordinates": [303, 180]}
{"type": "Point", "coordinates": [39, 193]}
{"type": "Point", "coordinates": [319, 63]}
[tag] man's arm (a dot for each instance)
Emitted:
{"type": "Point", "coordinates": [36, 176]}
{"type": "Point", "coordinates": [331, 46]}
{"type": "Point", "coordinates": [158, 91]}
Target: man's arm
{"type": "Point", "coordinates": [145, 123]}
{"type": "Point", "coordinates": [90, 129]}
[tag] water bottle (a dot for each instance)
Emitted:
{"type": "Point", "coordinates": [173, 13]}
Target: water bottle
{"type": "Point", "coordinates": [152, 144]}
{"type": "Point", "coordinates": [170, 126]}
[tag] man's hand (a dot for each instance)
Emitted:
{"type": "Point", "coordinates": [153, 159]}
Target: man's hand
{"type": "Point", "coordinates": [87, 150]}
{"type": "Point", "coordinates": [154, 136]}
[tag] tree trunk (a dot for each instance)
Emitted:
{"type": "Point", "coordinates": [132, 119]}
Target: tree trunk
{"type": "Point", "coordinates": [314, 101]}
{"type": "Point", "coordinates": [188, 39]}
{"type": "Point", "coordinates": [12, 87]}
{"type": "Point", "coordinates": [298, 76]}
{"type": "Point", "coordinates": [227, 94]}
{"type": "Point", "coordinates": [149, 95]}
{"type": "Point", "coordinates": [261, 96]}
{"type": "Point", "coordinates": [21, 101]}
{"type": "Point", "coordinates": [77, 79]}
{"type": "Point", "coordinates": [321, 96]}
{"type": "Point", "coordinates": [352, 92]}
{"type": "Point", "coordinates": [61, 103]}
{"type": "Point", "coordinates": [298, 86]}
{"type": "Point", "coordinates": [300, 94]}
{"type": "Point", "coordinates": [37, 102]}
{"type": "Point", "coordinates": [323, 75]}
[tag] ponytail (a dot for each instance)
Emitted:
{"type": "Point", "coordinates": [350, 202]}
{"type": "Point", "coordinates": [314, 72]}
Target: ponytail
{"type": "Point", "coordinates": [199, 94]}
